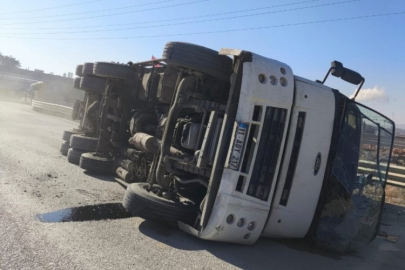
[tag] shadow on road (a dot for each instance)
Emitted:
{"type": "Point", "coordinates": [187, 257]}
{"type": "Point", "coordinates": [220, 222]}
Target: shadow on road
{"type": "Point", "coordinates": [393, 216]}
{"type": "Point", "coordinates": [264, 254]}
{"type": "Point", "coordinates": [246, 257]}
{"type": "Point", "coordinates": [86, 213]}
{"type": "Point", "coordinates": [261, 255]}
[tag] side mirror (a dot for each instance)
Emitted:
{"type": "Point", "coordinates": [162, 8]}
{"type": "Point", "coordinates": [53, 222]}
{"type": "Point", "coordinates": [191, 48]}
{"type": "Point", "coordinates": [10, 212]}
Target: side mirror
{"type": "Point", "coordinates": [345, 74]}
{"type": "Point", "coordinates": [338, 70]}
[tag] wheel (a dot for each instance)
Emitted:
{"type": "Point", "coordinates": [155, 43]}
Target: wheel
{"type": "Point", "coordinates": [73, 155]}
{"type": "Point", "coordinates": [115, 71]}
{"type": "Point", "coordinates": [64, 148]}
{"type": "Point", "coordinates": [93, 84]}
{"type": "Point", "coordinates": [198, 58]}
{"type": "Point", "coordinates": [84, 143]}
{"type": "Point", "coordinates": [95, 163]}
{"type": "Point", "coordinates": [79, 70]}
{"type": "Point", "coordinates": [87, 69]}
{"type": "Point", "coordinates": [148, 205]}
{"type": "Point", "coordinates": [76, 82]}
{"type": "Point", "coordinates": [68, 133]}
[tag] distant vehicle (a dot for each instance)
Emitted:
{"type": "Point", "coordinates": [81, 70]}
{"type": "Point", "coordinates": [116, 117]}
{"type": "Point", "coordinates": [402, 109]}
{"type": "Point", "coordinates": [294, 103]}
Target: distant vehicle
{"type": "Point", "coordinates": [36, 86]}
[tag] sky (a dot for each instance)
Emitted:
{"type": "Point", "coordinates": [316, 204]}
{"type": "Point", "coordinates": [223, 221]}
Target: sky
{"type": "Point", "coordinates": [365, 35]}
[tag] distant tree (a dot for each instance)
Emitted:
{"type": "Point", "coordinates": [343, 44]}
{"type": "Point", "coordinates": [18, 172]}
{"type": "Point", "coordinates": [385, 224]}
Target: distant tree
{"type": "Point", "coordinates": [9, 61]}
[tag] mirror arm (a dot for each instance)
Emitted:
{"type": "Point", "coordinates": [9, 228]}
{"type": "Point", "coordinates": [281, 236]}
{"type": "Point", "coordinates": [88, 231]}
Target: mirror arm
{"type": "Point", "coordinates": [327, 74]}
{"type": "Point", "coordinates": [358, 89]}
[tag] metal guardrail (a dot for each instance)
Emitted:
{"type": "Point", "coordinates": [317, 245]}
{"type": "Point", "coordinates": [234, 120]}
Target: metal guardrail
{"type": "Point", "coordinates": [51, 108]}
{"type": "Point", "coordinates": [396, 174]}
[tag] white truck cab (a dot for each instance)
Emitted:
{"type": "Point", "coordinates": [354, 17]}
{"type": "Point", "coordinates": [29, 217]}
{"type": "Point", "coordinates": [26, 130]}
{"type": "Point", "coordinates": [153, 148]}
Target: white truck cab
{"type": "Point", "coordinates": [281, 159]}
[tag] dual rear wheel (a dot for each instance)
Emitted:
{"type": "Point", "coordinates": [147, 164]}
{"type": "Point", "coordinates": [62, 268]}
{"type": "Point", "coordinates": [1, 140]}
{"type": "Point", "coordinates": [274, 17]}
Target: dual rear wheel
{"type": "Point", "coordinates": [142, 199]}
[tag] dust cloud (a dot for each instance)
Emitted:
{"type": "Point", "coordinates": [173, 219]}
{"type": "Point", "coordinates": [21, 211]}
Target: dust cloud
{"type": "Point", "coordinates": [372, 94]}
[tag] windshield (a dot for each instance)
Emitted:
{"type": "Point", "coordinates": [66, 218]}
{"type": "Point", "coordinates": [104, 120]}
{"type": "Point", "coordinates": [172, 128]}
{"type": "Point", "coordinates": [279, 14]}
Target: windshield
{"type": "Point", "coordinates": [355, 193]}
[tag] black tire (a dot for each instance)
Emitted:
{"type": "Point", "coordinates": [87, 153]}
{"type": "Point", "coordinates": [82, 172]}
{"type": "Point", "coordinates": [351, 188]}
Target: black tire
{"type": "Point", "coordinates": [95, 163]}
{"type": "Point", "coordinates": [114, 71]}
{"type": "Point", "coordinates": [93, 84]}
{"type": "Point", "coordinates": [79, 70]}
{"type": "Point", "coordinates": [76, 82]}
{"type": "Point", "coordinates": [139, 201]}
{"type": "Point", "coordinates": [68, 133]}
{"type": "Point", "coordinates": [84, 143]}
{"type": "Point", "coordinates": [198, 58]}
{"type": "Point", "coordinates": [73, 155]}
{"type": "Point", "coordinates": [64, 148]}
{"type": "Point", "coordinates": [87, 69]}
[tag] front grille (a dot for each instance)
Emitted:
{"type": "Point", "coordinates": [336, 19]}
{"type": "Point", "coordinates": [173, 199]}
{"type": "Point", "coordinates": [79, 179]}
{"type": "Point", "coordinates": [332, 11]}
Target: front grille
{"type": "Point", "coordinates": [268, 152]}
{"type": "Point", "coordinates": [299, 131]}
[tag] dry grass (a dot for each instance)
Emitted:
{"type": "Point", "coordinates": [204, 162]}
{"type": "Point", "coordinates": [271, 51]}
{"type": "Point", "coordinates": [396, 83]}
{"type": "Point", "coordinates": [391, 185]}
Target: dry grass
{"type": "Point", "coordinates": [395, 195]}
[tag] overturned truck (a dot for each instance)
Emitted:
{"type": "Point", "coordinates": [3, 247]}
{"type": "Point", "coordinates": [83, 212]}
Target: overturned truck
{"type": "Point", "coordinates": [249, 149]}
{"type": "Point", "coordinates": [236, 147]}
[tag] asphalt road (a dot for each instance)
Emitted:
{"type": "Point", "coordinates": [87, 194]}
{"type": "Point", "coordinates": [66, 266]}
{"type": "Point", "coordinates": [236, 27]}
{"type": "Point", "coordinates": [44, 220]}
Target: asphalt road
{"type": "Point", "coordinates": [36, 179]}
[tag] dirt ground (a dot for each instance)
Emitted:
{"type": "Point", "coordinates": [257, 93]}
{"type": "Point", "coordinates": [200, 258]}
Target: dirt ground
{"type": "Point", "coordinates": [395, 195]}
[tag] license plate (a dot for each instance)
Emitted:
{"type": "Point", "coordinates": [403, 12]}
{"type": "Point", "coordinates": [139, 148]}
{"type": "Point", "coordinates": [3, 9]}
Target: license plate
{"type": "Point", "coordinates": [237, 148]}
